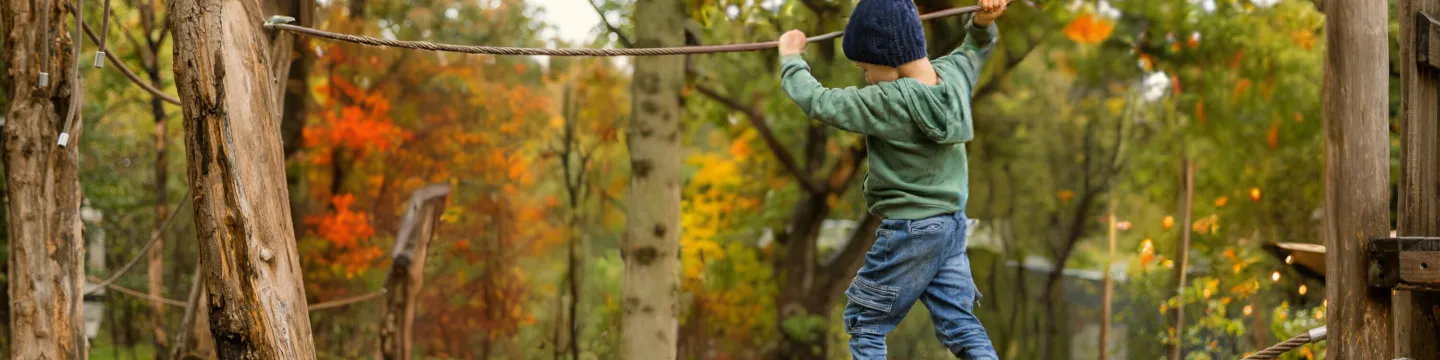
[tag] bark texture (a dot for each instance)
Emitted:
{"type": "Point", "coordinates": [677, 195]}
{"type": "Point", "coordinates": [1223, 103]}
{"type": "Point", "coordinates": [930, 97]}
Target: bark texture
{"type": "Point", "coordinates": [1416, 313]}
{"type": "Point", "coordinates": [652, 230]}
{"type": "Point", "coordinates": [1357, 175]}
{"type": "Point", "coordinates": [46, 256]}
{"type": "Point", "coordinates": [228, 72]}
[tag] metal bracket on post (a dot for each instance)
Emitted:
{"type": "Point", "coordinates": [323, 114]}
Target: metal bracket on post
{"type": "Point", "coordinates": [1427, 40]}
{"type": "Point", "coordinates": [1406, 263]}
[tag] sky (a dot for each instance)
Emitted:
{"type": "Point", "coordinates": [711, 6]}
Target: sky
{"type": "Point", "coordinates": [573, 20]}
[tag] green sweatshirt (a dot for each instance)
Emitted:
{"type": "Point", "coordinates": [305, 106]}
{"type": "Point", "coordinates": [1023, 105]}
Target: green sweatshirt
{"type": "Point", "coordinates": [915, 133]}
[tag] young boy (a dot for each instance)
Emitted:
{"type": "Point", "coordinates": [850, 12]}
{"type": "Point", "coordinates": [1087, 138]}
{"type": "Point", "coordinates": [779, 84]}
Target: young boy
{"type": "Point", "coordinates": [915, 116]}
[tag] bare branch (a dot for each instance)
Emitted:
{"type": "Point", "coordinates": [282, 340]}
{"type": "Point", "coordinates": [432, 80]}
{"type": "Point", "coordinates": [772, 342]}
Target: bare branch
{"type": "Point", "coordinates": [624, 40]}
{"type": "Point", "coordinates": [758, 121]}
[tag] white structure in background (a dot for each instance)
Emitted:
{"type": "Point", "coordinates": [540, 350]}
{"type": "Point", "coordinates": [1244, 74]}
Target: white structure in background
{"type": "Point", "coordinates": [94, 307]}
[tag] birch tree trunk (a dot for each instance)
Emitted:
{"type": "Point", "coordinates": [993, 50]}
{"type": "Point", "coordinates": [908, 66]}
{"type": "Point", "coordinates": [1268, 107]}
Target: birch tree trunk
{"type": "Point", "coordinates": [228, 71]}
{"type": "Point", "coordinates": [407, 271]}
{"type": "Point", "coordinates": [46, 256]}
{"type": "Point", "coordinates": [652, 228]}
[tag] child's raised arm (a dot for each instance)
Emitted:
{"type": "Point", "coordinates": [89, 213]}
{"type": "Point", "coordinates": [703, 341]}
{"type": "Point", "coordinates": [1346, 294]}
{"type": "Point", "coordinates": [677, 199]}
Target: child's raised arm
{"type": "Point", "coordinates": [849, 109]}
{"type": "Point", "coordinates": [980, 35]}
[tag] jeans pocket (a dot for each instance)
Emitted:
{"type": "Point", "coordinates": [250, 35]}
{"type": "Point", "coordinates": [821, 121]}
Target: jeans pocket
{"type": "Point", "coordinates": [872, 296]}
{"type": "Point", "coordinates": [870, 304]}
{"type": "Point", "coordinates": [928, 226]}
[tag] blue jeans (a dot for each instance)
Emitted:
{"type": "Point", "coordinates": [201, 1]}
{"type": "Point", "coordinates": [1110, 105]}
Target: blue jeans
{"type": "Point", "coordinates": [913, 260]}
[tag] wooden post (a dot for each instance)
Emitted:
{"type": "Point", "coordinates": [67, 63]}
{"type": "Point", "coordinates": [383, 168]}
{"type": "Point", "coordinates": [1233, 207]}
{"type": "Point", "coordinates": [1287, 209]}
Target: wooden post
{"type": "Point", "coordinates": [1415, 313]}
{"type": "Point", "coordinates": [1105, 297]}
{"type": "Point", "coordinates": [651, 242]}
{"type": "Point", "coordinates": [1357, 175]}
{"type": "Point", "coordinates": [47, 255]}
{"type": "Point", "coordinates": [1182, 258]}
{"type": "Point", "coordinates": [407, 269]}
{"type": "Point", "coordinates": [227, 72]}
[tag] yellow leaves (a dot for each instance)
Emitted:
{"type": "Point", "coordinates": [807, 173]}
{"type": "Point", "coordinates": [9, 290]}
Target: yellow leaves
{"type": "Point", "coordinates": [1207, 225]}
{"type": "Point", "coordinates": [1247, 310]}
{"type": "Point", "coordinates": [1167, 222]}
{"type": "Point", "coordinates": [1305, 39]}
{"type": "Point", "coordinates": [714, 170]}
{"type": "Point", "coordinates": [1255, 194]}
{"type": "Point", "coordinates": [1115, 105]}
{"type": "Point", "coordinates": [1221, 201]}
{"type": "Point", "coordinates": [1211, 286]}
{"type": "Point", "coordinates": [1065, 195]}
{"type": "Point", "coordinates": [1089, 29]}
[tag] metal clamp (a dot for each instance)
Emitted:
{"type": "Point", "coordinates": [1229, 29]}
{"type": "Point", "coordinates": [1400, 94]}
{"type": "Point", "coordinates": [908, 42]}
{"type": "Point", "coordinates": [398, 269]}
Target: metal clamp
{"type": "Point", "coordinates": [1427, 40]}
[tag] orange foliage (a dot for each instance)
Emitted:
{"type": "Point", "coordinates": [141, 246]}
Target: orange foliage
{"type": "Point", "coordinates": [1089, 29]}
{"type": "Point", "coordinates": [347, 232]}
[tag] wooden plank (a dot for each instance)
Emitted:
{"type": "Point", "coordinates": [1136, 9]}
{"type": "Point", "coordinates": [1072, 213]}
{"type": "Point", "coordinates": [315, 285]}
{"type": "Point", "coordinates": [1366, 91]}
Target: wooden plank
{"type": "Point", "coordinates": [1420, 267]}
{"type": "Point", "coordinates": [1416, 334]}
{"type": "Point", "coordinates": [1357, 176]}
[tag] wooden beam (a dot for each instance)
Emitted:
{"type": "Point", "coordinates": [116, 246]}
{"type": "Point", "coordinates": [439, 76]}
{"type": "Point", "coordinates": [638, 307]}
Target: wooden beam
{"type": "Point", "coordinates": [407, 275]}
{"type": "Point", "coordinates": [1357, 175]}
{"type": "Point", "coordinates": [1416, 333]}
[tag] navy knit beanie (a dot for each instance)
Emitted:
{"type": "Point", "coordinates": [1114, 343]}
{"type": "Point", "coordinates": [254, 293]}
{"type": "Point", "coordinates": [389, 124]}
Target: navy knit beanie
{"type": "Point", "coordinates": [884, 32]}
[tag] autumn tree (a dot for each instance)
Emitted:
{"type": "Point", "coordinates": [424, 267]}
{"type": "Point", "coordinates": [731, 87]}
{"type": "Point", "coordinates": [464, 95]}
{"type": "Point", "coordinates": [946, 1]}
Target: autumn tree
{"type": "Point", "coordinates": [46, 250]}
{"type": "Point", "coordinates": [236, 170]}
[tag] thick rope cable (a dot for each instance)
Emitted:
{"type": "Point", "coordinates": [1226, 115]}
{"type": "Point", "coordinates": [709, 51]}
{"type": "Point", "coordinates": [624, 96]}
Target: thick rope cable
{"type": "Point", "coordinates": [136, 293]}
{"type": "Point", "coordinates": [104, 34]}
{"type": "Point", "coordinates": [77, 92]}
{"type": "Point", "coordinates": [144, 249]}
{"type": "Point", "coordinates": [44, 79]}
{"type": "Point", "coordinates": [129, 74]}
{"type": "Point", "coordinates": [280, 23]}
{"type": "Point", "coordinates": [346, 301]}
{"type": "Point", "coordinates": [1274, 351]}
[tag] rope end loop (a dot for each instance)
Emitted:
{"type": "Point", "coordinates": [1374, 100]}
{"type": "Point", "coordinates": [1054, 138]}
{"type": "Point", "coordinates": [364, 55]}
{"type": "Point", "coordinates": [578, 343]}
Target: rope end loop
{"type": "Point", "coordinates": [278, 19]}
{"type": "Point", "coordinates": [44, 79]}
{"type": "Point", "coordinates": [99, 59]}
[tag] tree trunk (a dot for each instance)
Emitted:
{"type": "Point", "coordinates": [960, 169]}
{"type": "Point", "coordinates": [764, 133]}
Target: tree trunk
{"type": "Point", "coordinates": [46, 256]}
{"type": "Point", "coordinates": [1182, 257]}
{"type": "Point", "coordinates": [1416, 325]}
{"type": "Point", "coordinates": [193, 341]}
{"type": "Point", "coordinates": [1357, 175]}
{"type": "Point", "coordinates": [227, 71]}
{"type": "Point", "coordinates": [1106, 294]}
{"type": "Point", "coordinates": [407, 271]}
{"type": "Point", "coordinates": [652, 228]}
{"type": "Point", "coordinates": [155, 267]}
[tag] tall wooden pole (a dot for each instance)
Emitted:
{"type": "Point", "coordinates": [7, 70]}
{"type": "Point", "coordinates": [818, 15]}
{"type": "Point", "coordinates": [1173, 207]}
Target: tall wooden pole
{"type": "Point", "coordinates": [1105, 298]}
{"type": "Point", "coordinates": [407, 270]}
{"type": "Point", "coordinates": [1182, 258]}
{"type": "Point", "coordinates": [1419, 212]}
{"type": "Point", "coordinates": [1357, 175]}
